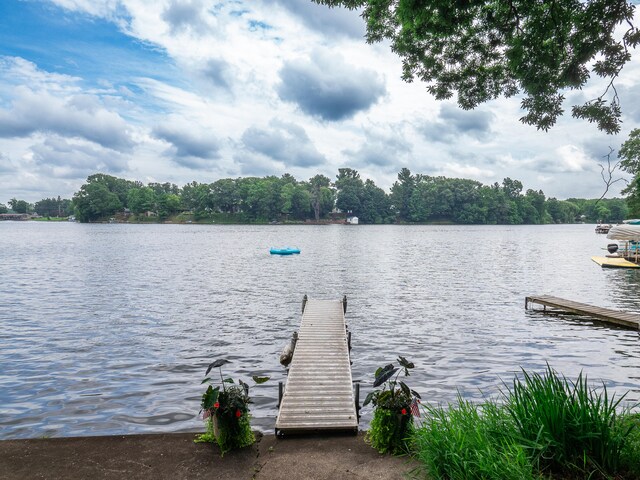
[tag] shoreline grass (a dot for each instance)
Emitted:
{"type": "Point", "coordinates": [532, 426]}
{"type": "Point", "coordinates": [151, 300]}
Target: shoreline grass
{"type": "Point", "coordinates": [544, 426]}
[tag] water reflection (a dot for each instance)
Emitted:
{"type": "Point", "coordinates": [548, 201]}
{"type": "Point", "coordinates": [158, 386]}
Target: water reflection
{"type": "Point", "coordinates": [107, 329]}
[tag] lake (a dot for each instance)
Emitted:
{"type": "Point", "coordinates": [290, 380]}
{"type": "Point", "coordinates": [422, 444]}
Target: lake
{"type": "Point", "coordinates": [108, 328]}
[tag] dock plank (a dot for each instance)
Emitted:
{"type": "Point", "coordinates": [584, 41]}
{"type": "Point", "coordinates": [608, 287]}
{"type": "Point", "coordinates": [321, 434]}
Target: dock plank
{"type": "Point", "coordinates": [319, 395]}
{"type": "Point", "coordinates": [617, 317]}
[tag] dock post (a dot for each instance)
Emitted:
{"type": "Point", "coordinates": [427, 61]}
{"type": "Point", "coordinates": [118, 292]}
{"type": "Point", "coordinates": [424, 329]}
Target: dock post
{"type": "Point", "coordinates": [279, 393]}
{"type": "Point", "coordinates": [304, 302]}
{"type": "Point", "coordinates": [344, 304]}
{"type": "Point", "coordinates": [358, 399]}
{"type": "Point", "coordinates": [349, 340]}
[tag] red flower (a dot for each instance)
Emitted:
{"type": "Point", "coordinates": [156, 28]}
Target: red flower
{"type": "Point", "coordinates": [404, 411]}
{"type": "Point", "coordinates": [238, 413]}
{"type": "Point", "coordinates": [216, 405]}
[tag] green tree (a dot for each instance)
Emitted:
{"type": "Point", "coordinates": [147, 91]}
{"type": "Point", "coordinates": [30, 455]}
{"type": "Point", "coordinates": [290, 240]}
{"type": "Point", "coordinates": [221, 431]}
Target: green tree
{"type": "Point", "coordinates": [349, 188]}
{"type": "Point", "coordinates": [483, 49]}
{"type": "Point", "coordinates": [630, 162]}
{"type": "Point", "coordinates": [320, 189]}
{"type": "Point", "coordinates": [19, 206]}
{"type": "Point", "coordinates": [141, 200]}
{"type": "Point", "coordinates": [3, 208]}
{"type": "Point", "coordinates": [401, 192]}
{"type": "Point", "coordinates": [375, 204]}
{"type": "Point", "coordinates": [52, 207]}
{"type": "Point", "coordinates": [198, 198]}
{"type": "Point", "coordinates": [95, 201]}
{"type": "Point", "coordinates": [168, 204]}
{"type": "Point", "coordinates": [226, 195]}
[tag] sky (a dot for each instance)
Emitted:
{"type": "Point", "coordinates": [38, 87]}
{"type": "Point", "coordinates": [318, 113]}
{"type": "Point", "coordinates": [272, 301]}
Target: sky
{"type": "Point", "coordinates": [197, 90]}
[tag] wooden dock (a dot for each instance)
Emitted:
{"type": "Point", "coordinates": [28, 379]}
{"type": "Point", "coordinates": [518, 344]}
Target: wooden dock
{"type": "Point", "coordinates": [625, 319]}
{"type": "Point", "coordinates": [319, 394]}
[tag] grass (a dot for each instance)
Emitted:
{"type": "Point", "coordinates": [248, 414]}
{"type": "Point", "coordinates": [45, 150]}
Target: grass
{"type": "Point", "coordinates": [545, 427]}
{"type": "Point", "coordinates": [468, 441]}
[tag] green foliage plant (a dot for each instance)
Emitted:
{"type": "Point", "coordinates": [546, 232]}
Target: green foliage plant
{"type": "Point", "coordinates": [470, 441]}
{"type": "Point", "coordinates": [225, 409]}
{"type": "Point", "coordinates": [392, 421]}
{"type": "Point", "coordinates": [545, 426]}
{"type": "Point", "coordinates": [571, 428]}
{"type": "Point", "coordinates": [631, 449]}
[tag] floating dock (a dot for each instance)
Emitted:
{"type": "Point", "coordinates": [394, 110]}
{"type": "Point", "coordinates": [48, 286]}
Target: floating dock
{"type": "Point", "coordinates": [624, 319]}
{"type": "Point", "coordinates": [319, 393]}
{"type": "Point", "coordinates": [614, 262]}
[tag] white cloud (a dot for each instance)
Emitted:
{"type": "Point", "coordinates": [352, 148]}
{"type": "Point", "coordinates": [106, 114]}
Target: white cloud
{"type": "Point", "coordinates": [75, 116]}
{"type": "Point", "coordinates": [237, 65]}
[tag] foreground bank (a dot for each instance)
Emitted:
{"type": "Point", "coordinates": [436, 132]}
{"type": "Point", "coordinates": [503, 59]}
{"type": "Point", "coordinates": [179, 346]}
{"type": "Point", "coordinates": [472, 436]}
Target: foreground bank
{"type": "Point", "coordinates": [176, 456]}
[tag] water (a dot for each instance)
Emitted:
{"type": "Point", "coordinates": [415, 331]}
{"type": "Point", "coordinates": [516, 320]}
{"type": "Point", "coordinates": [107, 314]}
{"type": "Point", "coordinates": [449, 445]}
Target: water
{"type": "Point", "coordinates": [108, 329]}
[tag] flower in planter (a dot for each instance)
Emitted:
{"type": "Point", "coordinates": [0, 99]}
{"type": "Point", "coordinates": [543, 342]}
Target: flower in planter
{"type": "Point", "coordinates": [226, 411]}
{"type": "Point", "coordinates": [394, 406]}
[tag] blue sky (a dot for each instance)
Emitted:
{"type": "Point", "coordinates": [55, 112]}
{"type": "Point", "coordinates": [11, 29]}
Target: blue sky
{"type": "Point", "coordinates": [183, 90]}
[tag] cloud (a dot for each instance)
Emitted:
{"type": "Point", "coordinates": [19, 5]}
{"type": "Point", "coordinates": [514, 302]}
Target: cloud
{"type": "Point", "coordinates": [283, 142]}
{"type": "Point", "coordinates": [80, 116]}
{"type": "Point", "coordinates": [16, 71]}
{"type": "Point", "coordinates": [334, 21]}
{"type": "Point", "coordinates": [6, 165]}
{"type": "Point", "coordinates": [563, 159]}
{"type": "Point", "coordinates": [185, 15]}
{"type": "Point", "coordinates": [218, 73]}
{"type": "Point", "coordinates": [453, 122]}
{"type": "Point", "coordinates": [382, 147]}
{"type": "Point", "coordinates": [193, 150]}
{"type": "Point", "coordinates": [59, 158]}
{"type": "Point", "coordinates": [326, 86]}
{"type": "Point", "coordinates": [253, 164]}
{"type": "Point", "coordinates": [102, 8]}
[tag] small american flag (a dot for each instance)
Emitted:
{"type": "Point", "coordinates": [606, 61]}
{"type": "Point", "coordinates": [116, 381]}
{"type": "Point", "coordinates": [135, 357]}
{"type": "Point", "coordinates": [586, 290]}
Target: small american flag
{"type": "Point", "coordinates": [415, 407]}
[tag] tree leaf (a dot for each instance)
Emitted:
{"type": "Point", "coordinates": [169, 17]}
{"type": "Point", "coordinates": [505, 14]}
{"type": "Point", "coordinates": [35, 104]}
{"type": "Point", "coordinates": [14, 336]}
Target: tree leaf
{"type": "Point", "coordinates": [216, 364]}
{"type": "Point", "coordinates": [416, 394]}
{"type": "Point", "coordinates": [205, 380]}
{"type": "Point", "coordinates": [260, 380]}
{"type": "Point", "coordinates": [385, 375]}
{"type": "Point", "coordinates": [228, 380]}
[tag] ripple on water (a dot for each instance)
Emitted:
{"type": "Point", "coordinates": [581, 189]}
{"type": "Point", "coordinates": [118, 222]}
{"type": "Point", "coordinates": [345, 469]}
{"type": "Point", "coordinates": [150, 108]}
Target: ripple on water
{"type": "Point", "coordinates": [108, 329]}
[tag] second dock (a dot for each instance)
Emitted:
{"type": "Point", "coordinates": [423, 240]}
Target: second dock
{"type": "Point", "coordinates": [617, 317]}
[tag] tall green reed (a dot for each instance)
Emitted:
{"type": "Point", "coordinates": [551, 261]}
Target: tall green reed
{"type": "Point", "coordinates": [467, 441]}
{"type": "Point", "coordinates": [569, 427]}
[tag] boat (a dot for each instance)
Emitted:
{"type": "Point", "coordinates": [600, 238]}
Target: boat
{"type": "Point", "coordinates": [603, 228]}
{"type": "Point", "coordinates": [284, 251]}
{"type": "Point", "coordinates": [625, 253]}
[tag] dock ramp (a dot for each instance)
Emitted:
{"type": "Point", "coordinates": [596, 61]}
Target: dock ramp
{"type": "Point", "coordinates": [318, 395]}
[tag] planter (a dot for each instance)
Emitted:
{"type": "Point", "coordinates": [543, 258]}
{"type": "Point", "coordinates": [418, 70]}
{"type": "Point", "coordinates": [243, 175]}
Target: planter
{"type": "Point", "coordinates": [231, 432]}
{"type": "Point", "coordinates": [389, 431]}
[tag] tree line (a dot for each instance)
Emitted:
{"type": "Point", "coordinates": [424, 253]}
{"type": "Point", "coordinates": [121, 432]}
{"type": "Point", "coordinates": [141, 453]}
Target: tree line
{"type": "Point", "coordinates": [413, 198]}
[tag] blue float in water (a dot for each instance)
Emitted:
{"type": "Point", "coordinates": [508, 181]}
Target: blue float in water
{"type": "Point", "coordinates": [284, 251]}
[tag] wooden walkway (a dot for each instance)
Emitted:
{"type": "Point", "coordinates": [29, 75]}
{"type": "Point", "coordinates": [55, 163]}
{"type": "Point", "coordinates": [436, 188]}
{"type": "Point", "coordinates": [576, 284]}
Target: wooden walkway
{"type": "Point", "coordinates": [319, 393]}
{"type": "Point", "coordinates": [625, 319]}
